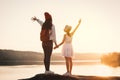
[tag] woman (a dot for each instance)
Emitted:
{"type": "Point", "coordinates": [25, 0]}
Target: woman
{"type": "Point", "coordinates": [47, 45]}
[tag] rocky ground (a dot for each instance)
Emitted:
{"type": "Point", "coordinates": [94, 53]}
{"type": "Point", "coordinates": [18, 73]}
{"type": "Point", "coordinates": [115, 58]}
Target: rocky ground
{"type": "Point", "coordinates": [73, 77]}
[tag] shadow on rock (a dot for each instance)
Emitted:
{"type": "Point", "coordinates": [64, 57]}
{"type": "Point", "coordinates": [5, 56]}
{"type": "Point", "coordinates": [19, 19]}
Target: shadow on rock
{"type": "Point", "coordinates": [74, 77]}
{"type": "Point", "coordinates": [51, 77]}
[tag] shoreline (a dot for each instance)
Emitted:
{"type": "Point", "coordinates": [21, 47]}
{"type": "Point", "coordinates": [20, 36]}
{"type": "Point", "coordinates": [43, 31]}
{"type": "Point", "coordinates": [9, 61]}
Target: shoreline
{"type": "Point", "coordinates": [57, 62]}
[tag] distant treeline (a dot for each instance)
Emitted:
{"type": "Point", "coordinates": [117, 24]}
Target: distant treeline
{"type": "Point", "coordinates": [12, 55]}
{"type": "Point", "coordinates": [111, 59]}
{"type": "Point", "coordinates": [30, 57]}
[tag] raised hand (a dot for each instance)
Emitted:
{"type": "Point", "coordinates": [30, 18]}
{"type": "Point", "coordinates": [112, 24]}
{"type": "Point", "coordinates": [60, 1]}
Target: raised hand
{"type": "Point", "coordinates": [79, 21]}
{"type": "Point", "coordinates": [33, 18]}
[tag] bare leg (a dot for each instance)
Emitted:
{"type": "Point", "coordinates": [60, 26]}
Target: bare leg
{"type": "Point", "coordinates": [70, 63]}
{"type": "Point", "coordinates": [67, 63]}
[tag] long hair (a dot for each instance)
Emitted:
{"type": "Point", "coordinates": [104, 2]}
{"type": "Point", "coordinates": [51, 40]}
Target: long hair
{"type": "Point", "coordinates": [48, 21]}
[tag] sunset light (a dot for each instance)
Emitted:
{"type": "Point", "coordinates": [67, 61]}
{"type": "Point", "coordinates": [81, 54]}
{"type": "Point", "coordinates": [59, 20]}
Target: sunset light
{"type": "Point", "coordinates": [83, 39]}
{"type": "Point", "coordinates": [98, 32]}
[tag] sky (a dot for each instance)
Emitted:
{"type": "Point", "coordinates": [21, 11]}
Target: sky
{"type": "Point", "coordinates": [98, 31]}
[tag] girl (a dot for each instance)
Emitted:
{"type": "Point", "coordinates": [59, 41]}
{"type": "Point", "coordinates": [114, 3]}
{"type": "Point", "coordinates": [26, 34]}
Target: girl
{"type": "Point", "coordinates": [67, 49]}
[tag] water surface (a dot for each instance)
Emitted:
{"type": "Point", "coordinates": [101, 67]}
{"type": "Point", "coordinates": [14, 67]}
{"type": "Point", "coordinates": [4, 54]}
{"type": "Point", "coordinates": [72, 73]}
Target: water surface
{"type": "Point", "coordinates": [26, 71]}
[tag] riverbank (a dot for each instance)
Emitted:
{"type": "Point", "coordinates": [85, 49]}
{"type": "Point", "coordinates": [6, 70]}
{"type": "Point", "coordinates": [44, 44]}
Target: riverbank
{"type": "Point", "coordinates": [73, 77]}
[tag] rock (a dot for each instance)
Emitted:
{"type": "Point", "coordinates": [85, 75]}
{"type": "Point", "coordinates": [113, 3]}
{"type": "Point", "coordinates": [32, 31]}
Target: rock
{"type": "Point", "coordinates": [73, 77]}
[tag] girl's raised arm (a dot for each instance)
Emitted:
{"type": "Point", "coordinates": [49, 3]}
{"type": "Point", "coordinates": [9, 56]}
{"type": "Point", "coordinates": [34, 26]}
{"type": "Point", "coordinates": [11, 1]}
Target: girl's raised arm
{"type": "Point", "coordinates": [76, 27]}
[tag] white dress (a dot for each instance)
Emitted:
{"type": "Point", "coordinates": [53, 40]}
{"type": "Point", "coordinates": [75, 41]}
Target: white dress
{"type": "Point", "coordinates": [67, 49]}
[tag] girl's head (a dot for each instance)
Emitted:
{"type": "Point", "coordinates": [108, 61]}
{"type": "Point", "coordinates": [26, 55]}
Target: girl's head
{"type": "Point", "coordinates": [67, 28]}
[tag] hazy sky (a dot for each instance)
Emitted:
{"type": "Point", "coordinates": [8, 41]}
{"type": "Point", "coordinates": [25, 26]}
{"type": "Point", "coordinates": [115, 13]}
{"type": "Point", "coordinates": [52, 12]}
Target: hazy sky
{"type": "Point", "coordinates": [99, 30]}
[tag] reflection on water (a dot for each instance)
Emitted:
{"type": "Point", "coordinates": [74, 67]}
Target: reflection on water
{"type": "Point", "coordinates": [26, 71]}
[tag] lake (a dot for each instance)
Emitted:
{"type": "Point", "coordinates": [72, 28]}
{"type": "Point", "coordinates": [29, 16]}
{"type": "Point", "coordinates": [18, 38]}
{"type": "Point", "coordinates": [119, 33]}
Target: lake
{"type": "Point", "coordinates": [26, 71]}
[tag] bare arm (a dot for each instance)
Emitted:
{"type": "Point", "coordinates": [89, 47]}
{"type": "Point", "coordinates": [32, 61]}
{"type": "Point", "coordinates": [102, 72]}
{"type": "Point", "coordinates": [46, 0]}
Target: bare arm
{"type": "Point", "coordinates": [60, 43]}
{"type": "Point", "coordinates": [76, 27]}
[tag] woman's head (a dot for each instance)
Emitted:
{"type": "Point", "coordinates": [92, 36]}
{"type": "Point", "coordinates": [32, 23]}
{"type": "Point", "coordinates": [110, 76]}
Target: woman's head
{"type": "Point", "coordinates": [67, 28]}
{"type": "Point", "coordinates": [47, 16]}
{"type": "Point", "coordinates": [48, 21]}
